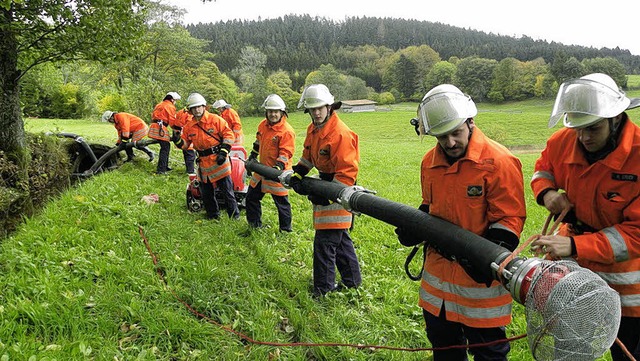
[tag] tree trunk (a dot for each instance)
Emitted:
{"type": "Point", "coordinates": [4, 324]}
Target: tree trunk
{"type": "Point", "coordinates": [12, 138]}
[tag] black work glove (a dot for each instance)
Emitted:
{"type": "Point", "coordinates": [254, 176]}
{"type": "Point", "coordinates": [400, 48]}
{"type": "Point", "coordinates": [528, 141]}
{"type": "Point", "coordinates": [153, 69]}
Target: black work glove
{"type": "Point", "coordinates": [410, 239]}
{"type": "Point", "coordinates": [475, 274]}
{"type": "Point", "coordinates": [253, 156]}
{"type": "Point", "coordinates": [318, 200]}
{"type": "Point", "coordinates": [175, 136]}
{"type": "Point", "coordinates": [295, 182]}
{"type": "Point", "coordinates": [279, 165]}
{"type": "Point", "coordinates": [222, 156]}
{"type": "Point", "coordinates": [300, 169]}
{"type": "Point", "coordinates": [406, 238]}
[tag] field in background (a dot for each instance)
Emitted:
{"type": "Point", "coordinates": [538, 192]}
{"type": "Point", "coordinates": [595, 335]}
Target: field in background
{"type": "Point", "coordinates": [77, 282]}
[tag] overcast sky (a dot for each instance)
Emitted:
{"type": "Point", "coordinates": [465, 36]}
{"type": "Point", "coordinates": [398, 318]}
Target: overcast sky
{"type": "Point", "coordinates": [587, 23]}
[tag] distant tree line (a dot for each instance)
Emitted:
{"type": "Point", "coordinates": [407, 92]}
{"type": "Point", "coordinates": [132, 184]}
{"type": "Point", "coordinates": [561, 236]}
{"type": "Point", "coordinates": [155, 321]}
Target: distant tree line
{"type": "Point", "coordinates": [301, 43]}
{"type": "Point", "coordinates": [385, 60]}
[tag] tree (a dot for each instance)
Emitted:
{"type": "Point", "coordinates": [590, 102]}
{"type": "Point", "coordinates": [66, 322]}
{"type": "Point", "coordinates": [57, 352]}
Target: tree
{"type": "Point", "coordinates": [609, 66]}
{"type": "Point", "coordinates": [475, 76]}
{"type": "Point", "coordinates": [442, 72]}
{"type": "Point", "coordinates": [40, 31]}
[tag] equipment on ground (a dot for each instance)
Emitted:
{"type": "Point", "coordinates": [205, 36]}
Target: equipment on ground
{"type": "Point", "coordinates": [237, 156]}
{"type": "Point", "coordinates": [89, 159]}
{"type": "Point", "coordinates": [572, 314]}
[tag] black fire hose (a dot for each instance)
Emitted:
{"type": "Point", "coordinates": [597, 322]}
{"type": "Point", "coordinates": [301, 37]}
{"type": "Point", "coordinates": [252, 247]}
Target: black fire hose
{"type": "Point", "coordinates": [478, 254]}
{"type": "Point", "coordinates": [123, 146]}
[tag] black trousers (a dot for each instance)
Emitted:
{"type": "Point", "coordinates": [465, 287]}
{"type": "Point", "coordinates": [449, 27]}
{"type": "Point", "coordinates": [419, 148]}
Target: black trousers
{"type": "Point", "coordinates": [334, 248]}
{"type": "Point", "coordinates": [225, 186]}
{"type": "Point", "coordinates": [443, 333]}
{"type": "Point", "coordinates": [163, 157]}
{"type": "Point", "coordinates": [254, 208]}
{"type": "Point", "coordinates": [189, 156]}
{"type": "Point", "coordinates": [630, 337]}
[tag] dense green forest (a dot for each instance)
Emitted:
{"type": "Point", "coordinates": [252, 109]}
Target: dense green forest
{"type": "Point", "coordinates": [385, 60]}
{"type": "Point", "coordinates": [302, 43]}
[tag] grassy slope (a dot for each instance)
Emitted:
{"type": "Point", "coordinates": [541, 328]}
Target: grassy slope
{"type": "Point", "coordinates": [77, 281]}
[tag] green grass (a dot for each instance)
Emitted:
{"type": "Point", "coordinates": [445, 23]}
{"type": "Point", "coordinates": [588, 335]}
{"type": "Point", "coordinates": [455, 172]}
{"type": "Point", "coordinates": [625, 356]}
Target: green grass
{"type": "Point", "coordinates": [77, 282]}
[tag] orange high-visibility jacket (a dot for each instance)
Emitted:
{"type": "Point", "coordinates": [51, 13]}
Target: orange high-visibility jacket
{"type": "Point", "coordinates": [205, 134]}
{"type": "Point", "coordinates": [130, 127]}
{"type": "Point", "coordinates": [484, 189]}
{"type": "Point", "coordinates": [606, 196]}
{"type": "Point", "coordinates": [332, 148]}
{"type": "Point", "coordinates": [277, 144]}
{"type": "Point", "coordinates": [182, 117]}
{"type": "Point", "coordinates": [163, 115]}
{"type": "Point", "coordinates": [232, 117]}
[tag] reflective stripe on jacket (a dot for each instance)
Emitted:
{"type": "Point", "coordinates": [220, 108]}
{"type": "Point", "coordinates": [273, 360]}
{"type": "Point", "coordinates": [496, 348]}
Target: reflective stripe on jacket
{"type": "Point", "coordinates": [207, 133]}
{"type": "Point", "coordinates": [606, 196]}
{"type": "Point", "coordinates": [277, 144]}
{"type": "Point", "coordinates": [482, 190]}
{"type": "Point", "coordinates": [130, 126]}
{"type": "Point", "coordinates": [232, 117]}
{"type": "Point", "coordinates": [332, 148]}
{"type": "Point", "coordinates": [163, 115]}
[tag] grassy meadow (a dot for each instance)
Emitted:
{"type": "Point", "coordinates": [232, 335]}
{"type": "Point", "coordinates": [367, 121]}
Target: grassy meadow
{"type": "Point", "coordinates": [77, 281]}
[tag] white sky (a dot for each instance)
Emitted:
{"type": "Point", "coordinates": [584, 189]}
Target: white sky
{"type": "Point", "coordinates": [570, 22]}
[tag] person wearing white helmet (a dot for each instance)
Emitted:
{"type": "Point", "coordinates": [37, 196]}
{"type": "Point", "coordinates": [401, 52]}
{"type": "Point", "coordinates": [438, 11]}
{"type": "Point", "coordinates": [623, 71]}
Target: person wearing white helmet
{"type": "Point", "coordinates": [475, 183]}
{"type": "Point", "coordinates": [163, 116]}
{"type": "Point", "coordinates": [332, 148]}
{"type": "Point", "coordinates": [130, 128]}
{"type": "Point", "coordinates": [274, 146]}
{"type": "Point", "coordinates": [231, 116]}
{"type": "Point", "coordinates": [592, 167]}
{"type": "Point", "coordinates": [211, 138]}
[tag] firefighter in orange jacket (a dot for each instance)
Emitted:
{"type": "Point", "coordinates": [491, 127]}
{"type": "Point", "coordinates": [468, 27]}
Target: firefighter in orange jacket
{"type": "Point", "coordinates": [593, 166]}
{"type": "Point", "coordinates": [129, 128]}
{"type": "Point", "coordinates": [163, 115]}
{"type": "Point", "coordinates": [231, 116]}
{"type": "Point", "coordinates": [332, 148]}
{"type": "Point", "coordinates": [182, 117]}
{"type": "Point", "coordinates": [274, 145]}
{"type": "Point", "coordinates": [211, 137]}
{"type": "Point", "coordinates": [477, 184]}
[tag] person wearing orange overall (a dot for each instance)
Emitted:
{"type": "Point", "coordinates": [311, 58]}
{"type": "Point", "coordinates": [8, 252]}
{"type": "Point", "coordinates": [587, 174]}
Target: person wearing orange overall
{"type": "Point", "coordinates": [332, 148]}
{"type": "Point", "coordinates": [231, 116]}
{"type": "Point", "coordinates": [211, 137]}
{"type": "Point", "coordinates": [129, 128]}
{"type": "Point", "coordinates": [182, 117]}
{"type": "Point", "coordinates": [163, 115]}
{"type": "Point", "coordinates": [274, 147]}
{"type": "Point", "coordinates": [477, 184]}
{"type": "Point", "coordinates": [592, 167]}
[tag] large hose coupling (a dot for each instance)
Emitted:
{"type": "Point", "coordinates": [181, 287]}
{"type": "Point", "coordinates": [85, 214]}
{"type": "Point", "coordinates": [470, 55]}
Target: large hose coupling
{"type": "Point", "coordinates": [346, 196]}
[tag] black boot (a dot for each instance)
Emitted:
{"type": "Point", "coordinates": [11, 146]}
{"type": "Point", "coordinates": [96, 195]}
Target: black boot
{"type": "Point", "coordinates": [149, 153]}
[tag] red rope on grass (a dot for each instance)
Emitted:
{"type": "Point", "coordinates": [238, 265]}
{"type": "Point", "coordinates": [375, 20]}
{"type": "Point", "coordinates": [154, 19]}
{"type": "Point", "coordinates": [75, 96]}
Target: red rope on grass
{"type": "Point", "coordinates": [248, 339]}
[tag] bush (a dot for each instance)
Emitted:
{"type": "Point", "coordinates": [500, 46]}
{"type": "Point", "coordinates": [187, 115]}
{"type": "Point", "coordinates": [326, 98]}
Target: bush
{"type": "Point", "coordinates": [48, 175]}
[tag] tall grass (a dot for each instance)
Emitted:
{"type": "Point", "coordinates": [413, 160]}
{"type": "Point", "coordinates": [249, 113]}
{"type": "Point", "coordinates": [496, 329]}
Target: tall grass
{"type": "Point", "coordinates": [77, 282]}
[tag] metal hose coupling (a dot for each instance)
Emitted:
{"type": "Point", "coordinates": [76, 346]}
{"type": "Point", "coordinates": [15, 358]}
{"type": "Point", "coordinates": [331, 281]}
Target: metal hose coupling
{"type": "Point", "coordinates": [345, 199]}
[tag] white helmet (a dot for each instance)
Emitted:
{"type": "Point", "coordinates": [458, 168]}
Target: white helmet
{"type": "Point", "coordinates": [194, 100]}
{"type": "Point", "coordinates": [107, 115]}
{"type": "Point", "coordinates": [273, 101]}
{"type": "Point", "coordinates": [444, 108]}
{"type": "Point", "coordinates": [585, 101]}
{"type": "Point", "coordinates": [314, 96]}
{"type": "Point", "coordinates": [174, 95]}
{"type": "Point", "coordinates": [219, 104]}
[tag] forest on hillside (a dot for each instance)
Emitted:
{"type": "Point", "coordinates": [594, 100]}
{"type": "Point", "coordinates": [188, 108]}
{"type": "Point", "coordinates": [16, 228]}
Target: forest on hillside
{"type": "Point", "coordinates": [381, 59]}
{"type": "Point", "coordinates": [301, 43]}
